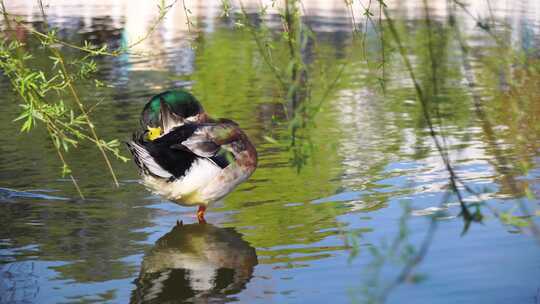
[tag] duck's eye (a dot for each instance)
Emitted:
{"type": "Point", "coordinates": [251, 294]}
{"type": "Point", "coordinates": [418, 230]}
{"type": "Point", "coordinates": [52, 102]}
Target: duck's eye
{"type": "Point", "coordinates": [153, 133]}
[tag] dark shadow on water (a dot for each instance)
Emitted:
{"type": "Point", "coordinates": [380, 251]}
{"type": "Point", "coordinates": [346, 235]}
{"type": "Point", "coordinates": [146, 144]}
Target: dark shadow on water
{"type": "Point", "coordinates": [195, 263]}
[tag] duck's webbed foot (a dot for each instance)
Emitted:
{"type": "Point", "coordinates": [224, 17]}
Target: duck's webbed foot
{"type": "Point", "coordinates": [200, 214]}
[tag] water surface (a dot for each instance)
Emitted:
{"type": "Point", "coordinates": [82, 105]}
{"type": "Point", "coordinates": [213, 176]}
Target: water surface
{"type": "Point", "coordinates": [315, 233]}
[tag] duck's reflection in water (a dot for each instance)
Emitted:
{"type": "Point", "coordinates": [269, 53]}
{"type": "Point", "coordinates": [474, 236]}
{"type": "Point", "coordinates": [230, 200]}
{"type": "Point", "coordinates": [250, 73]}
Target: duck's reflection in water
{"type": "Point", "coordinates": [195, 263]}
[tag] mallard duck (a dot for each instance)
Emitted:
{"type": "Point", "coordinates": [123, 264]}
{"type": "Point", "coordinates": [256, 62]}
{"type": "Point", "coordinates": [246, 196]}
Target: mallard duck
{"type": "Point", "coordinates": [195, 263]}
{"type": "Point", "coordinates": [187, 157]}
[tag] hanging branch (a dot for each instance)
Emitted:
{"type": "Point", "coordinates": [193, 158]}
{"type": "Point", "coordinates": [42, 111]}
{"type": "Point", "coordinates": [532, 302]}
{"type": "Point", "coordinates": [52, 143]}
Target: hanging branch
{"type": "Point", "coordinates": [487, 127]}
{"type": "Point", "coordinates": [467, 215]}
{"type": "Point", "coordinates": [33, 86]}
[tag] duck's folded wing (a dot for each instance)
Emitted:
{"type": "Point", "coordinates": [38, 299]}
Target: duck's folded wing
{"type": "Point", "coordinates": [206, 140]}
{"type": "Point", "coordinates": [146, 162]}
{"type": "Point", "coordinates": [199, 146]}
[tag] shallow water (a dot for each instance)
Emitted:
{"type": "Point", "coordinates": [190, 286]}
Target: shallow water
{"type": "Point", "coordinates": [325, 232]}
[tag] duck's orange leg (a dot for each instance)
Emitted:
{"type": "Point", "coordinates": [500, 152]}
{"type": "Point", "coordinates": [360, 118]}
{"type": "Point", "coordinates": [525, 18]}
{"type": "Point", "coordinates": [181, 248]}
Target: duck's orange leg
{"type": "Point", "coordinates": [200, 214]}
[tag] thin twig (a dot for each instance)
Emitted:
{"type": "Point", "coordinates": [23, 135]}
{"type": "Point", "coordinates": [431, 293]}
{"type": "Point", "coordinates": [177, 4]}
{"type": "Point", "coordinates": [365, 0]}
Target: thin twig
{"type": "Point", "coordinates": [64, 163]}
{"type": "Point", "coordinates": [85, 115]}
{"type": "Point", "coordinates": [100, 51]}
{"type": "Point", "coordinates": [275, 70]}
{"type": "Point", "coordinates": [488, 129]}
{"type": "Point", "coordinates": [188, 22]}
{"type": "Point", "coordinates": [427, 116]}
{"type": "Point", "coordinates": [411, 265]}
{"type": "Point", "coordinates": [59, 153]}
{"type": "Point", "coordinates": [77, 99]}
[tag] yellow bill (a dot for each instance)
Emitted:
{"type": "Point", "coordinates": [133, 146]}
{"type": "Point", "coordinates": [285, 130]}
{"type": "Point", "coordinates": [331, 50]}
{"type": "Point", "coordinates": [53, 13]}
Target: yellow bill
{"type": "Point", "coordinates": [153, 133]}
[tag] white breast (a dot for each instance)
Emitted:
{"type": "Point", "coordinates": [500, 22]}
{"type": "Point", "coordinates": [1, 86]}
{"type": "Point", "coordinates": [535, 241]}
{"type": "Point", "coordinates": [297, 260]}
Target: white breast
{"type": "Point", "coordinates": [199, 175]}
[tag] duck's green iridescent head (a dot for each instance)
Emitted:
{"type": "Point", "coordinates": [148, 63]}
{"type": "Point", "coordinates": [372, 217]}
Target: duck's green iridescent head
{"type": "Point", "coordinates": [180, 102]}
